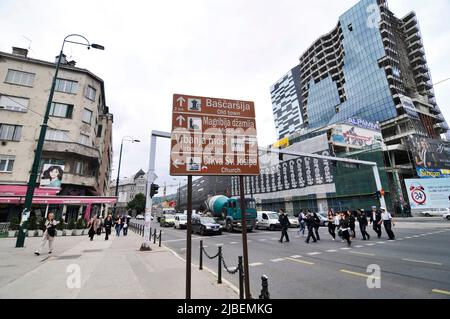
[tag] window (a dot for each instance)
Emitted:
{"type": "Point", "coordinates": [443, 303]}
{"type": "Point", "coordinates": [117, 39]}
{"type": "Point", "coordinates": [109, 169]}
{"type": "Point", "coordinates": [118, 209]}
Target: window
{"type": "Point", "coordinates": [66, 86]}
{"type": "Point", "coordinates": [84, 139]}
{"type": "Point", "coordinates": [87, 116]}
{"type": "Point", "coordinates": [10, 132]}
{"type": "Point", "coordinates": [99, 131]}
{"type": "Point", "coordinates": [79, 168]}
{"type": "Point", "coordinates": [61, 110]}
{"type": "Point", "coordinates": [56, 135]}
{"type": "Point", "coordinates": [90, 93]}
{"type": "Point", "coordinates": [20, 78]}
{"type": "Point", "coordinates": [13, 103]}
{"type": "Point", "coordinates": [6, 163]}
{"type": "Point", "coordinates": [350, 27]}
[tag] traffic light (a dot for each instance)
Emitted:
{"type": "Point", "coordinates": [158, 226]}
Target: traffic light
{"type": "Point", "coordinates": [377, 194]}
{"type": "Point", "coordinates": [153, 190]}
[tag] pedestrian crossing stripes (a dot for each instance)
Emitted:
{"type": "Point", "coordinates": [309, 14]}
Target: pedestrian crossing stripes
{"type": "Point", "coordinates": [314, 253]}
{"type": "Point", "coordinates": [277, 260]}
{"type": "Point", "coordinates": [296, 256]}
{"type": "Point", "coordinates": [255, 264]}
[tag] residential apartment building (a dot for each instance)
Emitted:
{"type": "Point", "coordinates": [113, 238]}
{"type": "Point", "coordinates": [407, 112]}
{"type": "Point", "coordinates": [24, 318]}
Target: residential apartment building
{"type": "Point", "coordinates": [372, 67]}
{"type": "Point", "coordinates": [79, 134]}
{"type": "Point", "coordinates": [128, 189]}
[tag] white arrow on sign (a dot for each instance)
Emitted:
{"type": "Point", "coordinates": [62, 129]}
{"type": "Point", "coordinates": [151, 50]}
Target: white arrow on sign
{"type": "Point", "coordinates": [177, 162]}
{"type": "Point", "coordinates": [180, 120]}
{"type": "Point", "coordinates": [181, 100]}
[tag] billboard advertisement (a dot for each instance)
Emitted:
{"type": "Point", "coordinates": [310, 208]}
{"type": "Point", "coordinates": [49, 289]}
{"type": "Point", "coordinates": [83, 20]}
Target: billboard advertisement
{"type": "Point", "coordinates": [428, 193]}
{"type": "Point", "coordinates": [429, 153]}
{"type": "Point", "coordinates": [356, 137]}
{"type": "Point", "coordinates": [423, 172]}
{"type": "Point", "coordinates": [52, 176]}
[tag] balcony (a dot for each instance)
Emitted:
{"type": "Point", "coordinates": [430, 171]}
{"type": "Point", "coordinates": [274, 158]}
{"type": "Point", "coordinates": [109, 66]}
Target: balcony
{"type": "Point", "coordinates": [417, 51]}
{"type": "Point", "coordinates": [79, 180]}
{"type": "Point", "coordinates": [71, 148]}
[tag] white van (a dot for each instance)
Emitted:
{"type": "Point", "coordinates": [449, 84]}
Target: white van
{"type": "Point", "coordinates": [180, 221]}
{"type": "Point", "coordinates": [267, 220]}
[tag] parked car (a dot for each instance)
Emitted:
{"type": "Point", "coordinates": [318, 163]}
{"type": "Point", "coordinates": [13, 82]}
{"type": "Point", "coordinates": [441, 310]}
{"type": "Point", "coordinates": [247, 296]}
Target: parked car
{"type": "Point", "coordinates": [167, 220]}
{"type": "Point", "coordinates": [294, 221]}
{"type": "Point", "coordinates": [205, 225]}
{"type": "Point", "coordinates": [267, 220]}
{"type": "Point", "coordinates": [180, 221]}
{"type": "Point", "coordinates": [446, 216]}
{"type": "Point", "coordinates": [140, 217]}
{"type": "Point", "coordinates": [436, 213]}
{"type": "Point", "coordinates": [323, 219]}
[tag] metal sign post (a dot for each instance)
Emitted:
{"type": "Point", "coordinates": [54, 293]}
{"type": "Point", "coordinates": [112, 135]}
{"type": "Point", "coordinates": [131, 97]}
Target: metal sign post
{"type": "Point", "coordinates": [189, 238]}
{"type": "Point", "coordinates": [244, 239]}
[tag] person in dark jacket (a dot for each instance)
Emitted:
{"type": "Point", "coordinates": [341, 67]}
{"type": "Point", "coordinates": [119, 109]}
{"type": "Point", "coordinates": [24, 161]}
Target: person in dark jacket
{"type": "Point", "coordinates": [108, 223]}
{"type": "Point", "coordinates": [375, 220]}
{"type": "Point", "coordinates": [284, 222]}
{"type": "Point", "coordinates": [352, 222]}
{"type": "Point", "coordinates": [310, 225]}
{"type": "Point", "coordinates": [363, 222]}
{"type": "Point", "coordinates": [345, 228]}
{"type": "Point", "coordinates": [331, 225]}
{"type": "Point", "coordinates": [126, 223]}
{"type": "Point", "coordinates": [316, 225]}
{"type": "Point", "coordinates": [118, 225]}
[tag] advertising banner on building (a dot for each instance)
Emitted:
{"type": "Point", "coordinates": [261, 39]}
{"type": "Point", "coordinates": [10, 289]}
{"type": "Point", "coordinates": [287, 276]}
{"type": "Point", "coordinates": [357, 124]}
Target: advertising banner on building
{"type": "Point", "coordinates": [356, 137]}
{"type": "Point", "coordinates": [51, 176]}
{"type": "Point", "coordinates": [423, 172]}
{"type": "Point", "coordinates": [296, 173]}
{"type": "Point", "coordinates": [429, 153]}
{"type": "Point", "coordinates": [428, 193]}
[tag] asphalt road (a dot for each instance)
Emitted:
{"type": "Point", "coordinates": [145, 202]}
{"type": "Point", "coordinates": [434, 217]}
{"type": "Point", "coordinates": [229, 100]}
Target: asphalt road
{"type": "Point", "coordinates": [416, 265]}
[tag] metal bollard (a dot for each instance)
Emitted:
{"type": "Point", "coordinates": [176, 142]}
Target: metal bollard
{"type": "Point", "coordinates": [219, 271]}
{"type": "Point", "coordinates": [150, 236]}
{"type": "Point", "coordinates": [160, 238]}
{"type": "Point", "coordinates": [154, 237]}
{"type": "Point", "coordinates": [201, 256]}
{"type": "Point", "coordinates": [241, 278]}
{"type": "Point", "coordinates": [265, 288]}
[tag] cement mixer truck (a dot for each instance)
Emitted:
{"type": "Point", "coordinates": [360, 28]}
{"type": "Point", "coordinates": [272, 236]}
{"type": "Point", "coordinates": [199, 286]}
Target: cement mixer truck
{"type": "Point", "coordinates": [228, 212]}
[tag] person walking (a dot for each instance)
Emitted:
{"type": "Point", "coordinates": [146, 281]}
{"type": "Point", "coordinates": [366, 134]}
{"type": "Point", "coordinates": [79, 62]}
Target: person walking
{"type": "Point", "coordinates": [284, 222]}
{"type": "Point", "coordinates": [375, 220]}
{"type": "Point", "coordinates": [316, 225]}
{"type": "Point", "coordinates": [345, 228]}
{"type": "Point", "coordinates": [301, 222]}
{"type": "Point", "coordinates": [93, 226]}
{"type": "Point", "coordinates": [49, 234]}
{"type": "Point", "coordinates": [331, 225]}
{"type": "Point", "coordinates": [108, 224]}
{"type": "Point", "coordinates": [126, 222]}
{"type": "Point", "coordinates": [388, 221]}
{"type": "Point", "coordinates": [118, 225]}
{"type": "Point", "coordinates": [310, 225]}
{"type": "Point", "coordinates": [352, 222]}
{"type": "Point", "coordinates": [363, 222]}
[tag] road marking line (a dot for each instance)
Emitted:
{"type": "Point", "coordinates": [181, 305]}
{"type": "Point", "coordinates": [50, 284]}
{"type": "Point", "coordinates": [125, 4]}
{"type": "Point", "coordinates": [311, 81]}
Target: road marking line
{"type": "Point", "coordinates": [221, 244]}
{"type": "Point", "coordinates": [443, 292]}
{"type": "Point", "coordinates": [331, 251]}
{"type": "Point", "coordinates": [345, 248]}
{"type": "Point", "coordinates": [359, 253]}
{"type": "Point", "coordinates": [381, 242]}
{"type": "Point", "coordinates": [262, 239]}
{"type": "Point", "coordinates": [358, 274]}
{"type": "Point", "coordinates": [205, 246]}
{"type": "Point", "coordinates": [415, 236]}
{"type": "Point", "coordinates": [274, 239]}
{"type": "Point", "coordinates": [423, 262]}
{"type": "Point", "coordinates": [407, 237]}
{"type": "Point", "coordinates": [255, 264]}
{"type": "Point", "coordinates": [400, 239]}
{"type": "Point", "coordinates": [313, 253]}
{"type": "Point", "coordinates": [233, 243]}
{"type": "Point", "coordinates": [277, 260]}
{"type": "Point", "coordinates": [370, 244]}
{"type": "Point", "coordinates": [300, 261]}
{"type": "Point", "coordinates": [296, 256]}
{"type": "Point", "coordinates": [359, 246]}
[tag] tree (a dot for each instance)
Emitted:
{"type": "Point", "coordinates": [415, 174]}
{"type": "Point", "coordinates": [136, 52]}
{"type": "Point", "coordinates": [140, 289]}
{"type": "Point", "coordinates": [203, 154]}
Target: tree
{"type": "Point", "coordinates": [138, 203]}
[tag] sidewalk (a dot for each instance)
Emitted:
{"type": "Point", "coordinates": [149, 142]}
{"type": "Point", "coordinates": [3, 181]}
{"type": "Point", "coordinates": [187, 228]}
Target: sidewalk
{"type": "Point", "coordinates": [109, 269]}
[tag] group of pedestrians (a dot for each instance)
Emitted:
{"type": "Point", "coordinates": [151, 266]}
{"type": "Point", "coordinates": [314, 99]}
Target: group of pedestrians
{"type": "Point", "coordinates": [95, 226]}
{"type": "Point", "coordinates": [341, 224]}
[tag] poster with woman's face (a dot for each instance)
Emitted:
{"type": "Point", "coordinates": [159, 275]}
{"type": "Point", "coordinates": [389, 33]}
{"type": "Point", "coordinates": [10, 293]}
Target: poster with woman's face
{"type": "Point", "coordinates": [52, 175]}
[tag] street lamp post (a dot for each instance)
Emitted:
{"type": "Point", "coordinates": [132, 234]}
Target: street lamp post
{"type": "Point", "coordinates": [127, 139]}
{"type": "Point", "coordinates": [38, 153]}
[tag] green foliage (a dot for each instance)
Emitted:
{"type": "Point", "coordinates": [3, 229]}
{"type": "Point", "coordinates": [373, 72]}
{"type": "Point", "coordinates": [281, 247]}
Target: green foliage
{"type": "Point", "coordinates": [60, 226]}
{"type": "Point", "coordinates": [81, 224]}
{"type": "Point", "coordinates": [14, 224]}
{"type": "Point", "coordinates": [41, 222]}
{"type": "Point", "coordinates": [71, 224]}
{"type": "Point", "coordinates": [32, 223]}
{"type": "Point", "coordinates": [138, 203]}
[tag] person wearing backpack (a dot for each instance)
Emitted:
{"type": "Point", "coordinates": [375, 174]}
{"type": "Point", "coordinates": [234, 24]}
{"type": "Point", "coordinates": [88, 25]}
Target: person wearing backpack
{"type": "Point", "coordinates": [284, 222]}
{"type": "Point", "coordinates": [316, 225]}
{"type": "Point", "coordinates": [310, 225]}
{"type": "Point", "coordinates": [49, 234]}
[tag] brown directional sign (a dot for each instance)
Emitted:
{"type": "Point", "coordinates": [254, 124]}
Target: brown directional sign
{"type": "Point", "coordinates": [213, 136]}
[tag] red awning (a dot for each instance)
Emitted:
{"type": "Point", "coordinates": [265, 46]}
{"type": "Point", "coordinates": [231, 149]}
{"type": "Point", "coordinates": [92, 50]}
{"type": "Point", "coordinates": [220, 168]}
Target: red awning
{"type": "Point", "coordinates": [21, 190]}
{"type": "Point", "coordinates": [68, 200]}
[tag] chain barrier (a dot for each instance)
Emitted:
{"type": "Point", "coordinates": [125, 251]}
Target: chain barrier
{"type": "Point", "coordinates": [207, 255]}
{"type": "Point", "coordinates": [231, 272]}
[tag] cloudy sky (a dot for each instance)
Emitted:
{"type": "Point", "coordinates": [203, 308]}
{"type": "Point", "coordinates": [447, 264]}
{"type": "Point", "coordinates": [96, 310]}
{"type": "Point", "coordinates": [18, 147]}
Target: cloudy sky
{"type": "Point", "coordinates": [221, 48]}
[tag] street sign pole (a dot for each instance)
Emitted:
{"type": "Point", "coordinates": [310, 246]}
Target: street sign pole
{"type": "Point", "coordinates": [244, 239]}
{"type": "Point", "coordinates": [189, 238]}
